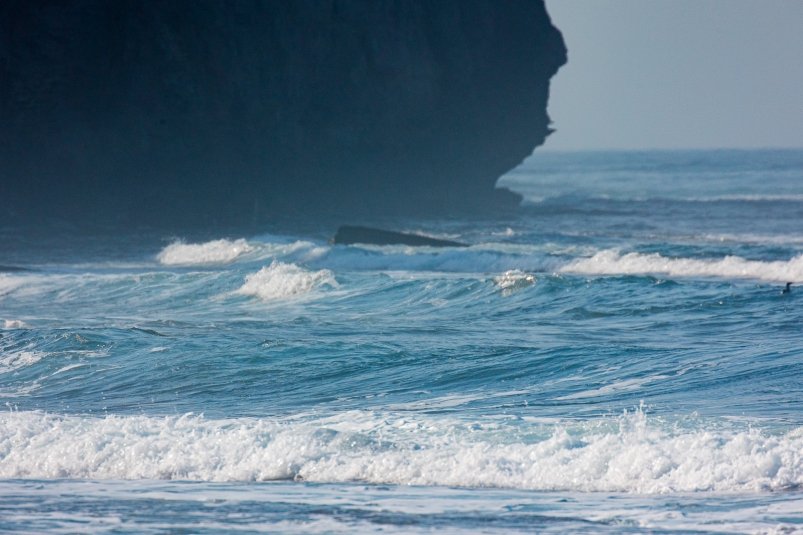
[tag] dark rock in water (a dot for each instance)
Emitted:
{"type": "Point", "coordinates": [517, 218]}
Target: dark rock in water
{"type": "Point", "coordinates": [347, 235]}
{"type": "Point", "coordinates": [210, 112]}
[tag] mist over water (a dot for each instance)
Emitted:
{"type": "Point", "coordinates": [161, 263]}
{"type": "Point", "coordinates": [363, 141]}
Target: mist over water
{"type": "Point", "coordinates": [615, 356]}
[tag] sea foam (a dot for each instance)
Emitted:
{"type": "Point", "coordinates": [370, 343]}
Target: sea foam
{"type": "Point", "coordinates": [513, 280]}
{"type": "Point", "coordinates": [612, 262]}
{"type": "Point", "coordinates": [631, 455]}
{"type": "Point", "coordinates": [10, 283]}
{"type": "Point", "coordinates": [14, 360]}
{"type": "Point", "coordinates": [212, 252]}
{"type": "Point", "coordinates": [280, 280]}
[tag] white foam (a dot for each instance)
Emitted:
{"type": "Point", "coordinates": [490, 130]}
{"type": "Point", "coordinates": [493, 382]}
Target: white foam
{"type": "Point", "coordinates": [15, 360]}
{"type": "Point", "coordinates": [759, 239]}
{"type": "Point", "coordinates": [280, 280]}
{"type": "Point", "coordinates": [514, 279]}
{"type": "Point", "coordinates": [627, 385]}
{"type": "Point", "coordinates": [221, 251]}
{"type": "Point", "coordinates": [14, 324]}
{"type": "Point", "coordinates": [612, 262]}
{"type": "Point", "coordinates": [10, 283]}
{"type": "Point", "coordinates": [749, 197]}
{"type": "Point", "coordinates": [507, 233]}
{"type": "Point", "coordinates": [97, 288]}
{"type": "Point", "coordinates": [628, 455]}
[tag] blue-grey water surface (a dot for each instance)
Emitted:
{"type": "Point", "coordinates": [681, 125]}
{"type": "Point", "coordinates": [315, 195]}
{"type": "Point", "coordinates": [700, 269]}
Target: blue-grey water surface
{"type": "Point", "coordinates": [616, 356]}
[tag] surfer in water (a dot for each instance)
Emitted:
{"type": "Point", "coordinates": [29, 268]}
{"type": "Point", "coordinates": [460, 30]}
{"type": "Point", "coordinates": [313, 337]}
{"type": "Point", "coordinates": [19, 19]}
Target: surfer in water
{"type": "Point", "coordinates": [787, 289]}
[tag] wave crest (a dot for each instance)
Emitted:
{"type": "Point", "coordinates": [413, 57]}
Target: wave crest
{"type": "Point", "coordinates": [513, 280]}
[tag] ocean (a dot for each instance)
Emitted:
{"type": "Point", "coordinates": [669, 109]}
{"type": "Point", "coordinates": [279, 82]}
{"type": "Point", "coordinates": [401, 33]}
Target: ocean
{"type": "Point", "coordinates": [617, 356]}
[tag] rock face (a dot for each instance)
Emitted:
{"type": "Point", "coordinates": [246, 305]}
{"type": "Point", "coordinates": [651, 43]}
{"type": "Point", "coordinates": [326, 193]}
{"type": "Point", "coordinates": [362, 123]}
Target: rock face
{"type": "Point", "coordinates": [208, 111]}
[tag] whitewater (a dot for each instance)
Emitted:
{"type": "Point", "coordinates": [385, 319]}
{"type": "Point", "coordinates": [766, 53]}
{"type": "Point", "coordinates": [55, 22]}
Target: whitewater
{"type": "Point", "coordinates": [616, 356]}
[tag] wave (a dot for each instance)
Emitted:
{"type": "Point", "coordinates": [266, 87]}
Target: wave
{"type": "Point", "coordinates": [14, 360]}
{"type": "Point", "coordinates": [220, 251]}
{"type": "Point", "coordinates": [625, 455]}
{"type": "Point", "coordinates": [754, 239]}
{"type": "Point", "coordinates": [513, 280]}
{"type": "Point", "coordinates": [748, 197]}
{"type": "Point", "coordinates": [612, 262]}
{"type": "Point", "coordinates": [224, 251]}
{"type": "Point", "coordinates": [480, 258]}
{"type": "Point", "coordinates": [10, 283]}
{"type": "Point", "coordinates": [14, 324]}
{"type": "Point", "coordinates": [576, 198]}
{"type": "Point", "coordinates": [280, 280]}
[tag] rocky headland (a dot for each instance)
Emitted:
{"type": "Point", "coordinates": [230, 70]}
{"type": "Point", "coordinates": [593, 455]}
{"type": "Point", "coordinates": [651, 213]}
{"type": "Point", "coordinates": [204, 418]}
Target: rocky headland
{"type": "Point", "coordinates": [210, 112]}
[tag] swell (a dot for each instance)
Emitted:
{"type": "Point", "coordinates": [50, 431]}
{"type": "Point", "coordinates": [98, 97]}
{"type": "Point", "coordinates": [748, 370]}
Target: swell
{"type": "Point", "coordinates": [287, 364]}
{"type": "Point", "coordinates": [294, 324]}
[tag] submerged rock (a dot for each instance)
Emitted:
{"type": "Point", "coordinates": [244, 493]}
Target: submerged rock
{"type": "Point", "coordinates": [204, 111]}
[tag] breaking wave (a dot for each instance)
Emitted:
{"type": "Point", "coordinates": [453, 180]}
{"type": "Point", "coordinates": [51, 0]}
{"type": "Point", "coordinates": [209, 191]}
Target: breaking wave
{"type": "Point", "coordinates": [280, 280]}
{"type": "Point", "coordinates": [628, 454]}
{"type": "Point", "coordinates": [612, 262]}
{"type": "Point", "coordinates": [212, 252]}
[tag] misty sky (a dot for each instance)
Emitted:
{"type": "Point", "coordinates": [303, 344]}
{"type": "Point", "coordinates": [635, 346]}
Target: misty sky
{"type": "Point", "coordinates": [678, 74]}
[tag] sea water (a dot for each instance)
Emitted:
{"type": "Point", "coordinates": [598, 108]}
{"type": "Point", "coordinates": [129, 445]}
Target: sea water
{"type": "Point", "coordinates": [615, 356]}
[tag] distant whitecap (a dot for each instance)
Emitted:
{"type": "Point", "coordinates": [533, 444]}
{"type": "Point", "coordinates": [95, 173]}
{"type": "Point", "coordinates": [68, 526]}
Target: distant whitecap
{"type": "Point", "coordinates": [612, 262]}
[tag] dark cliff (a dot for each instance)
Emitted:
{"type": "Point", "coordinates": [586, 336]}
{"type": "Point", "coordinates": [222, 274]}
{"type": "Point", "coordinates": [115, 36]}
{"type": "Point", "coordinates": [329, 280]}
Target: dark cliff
{"type": "Point", "coordinates": [211, 111]}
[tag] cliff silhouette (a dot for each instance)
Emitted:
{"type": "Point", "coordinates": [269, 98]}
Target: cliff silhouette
{"type": "Point", "coordinates": [218, 112]}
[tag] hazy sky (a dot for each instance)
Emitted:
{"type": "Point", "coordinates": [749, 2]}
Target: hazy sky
{"type": "Point", "coordinates": [678, 73]}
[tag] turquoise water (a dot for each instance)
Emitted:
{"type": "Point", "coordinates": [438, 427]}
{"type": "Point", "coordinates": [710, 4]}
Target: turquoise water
{"type": "Point", "coordinates": [617, 356]}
